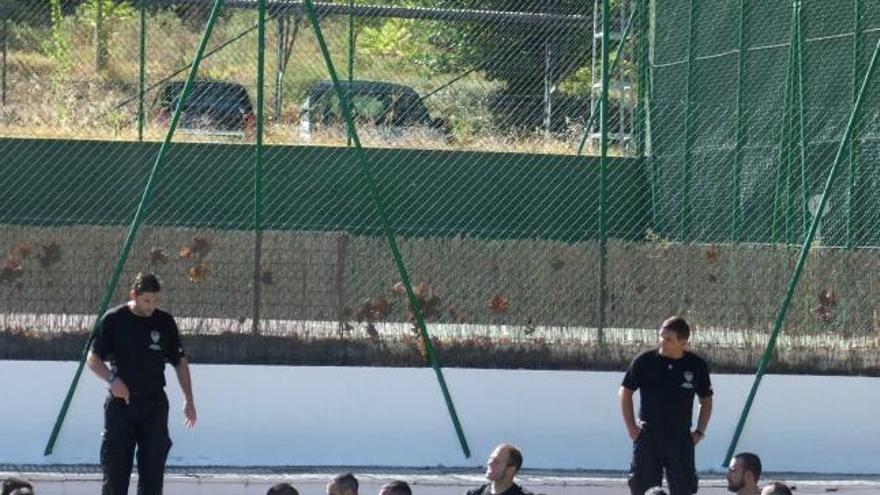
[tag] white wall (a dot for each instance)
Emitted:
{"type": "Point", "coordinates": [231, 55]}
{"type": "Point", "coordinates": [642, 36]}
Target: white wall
{"type": "Point", "coordinates": [312, 416]}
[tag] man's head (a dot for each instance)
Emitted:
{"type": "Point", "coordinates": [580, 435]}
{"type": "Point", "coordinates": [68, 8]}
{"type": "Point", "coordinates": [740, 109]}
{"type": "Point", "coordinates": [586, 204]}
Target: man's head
{"type": "Point", "coordinates": [282, 489]}
{"type": "Point", "coordinates": [503, 464]}
{"type": "Point", "coordinates": [343, 484]}
{"type": "Point", "coordinates": [395, 487]}
{"type": "Point", "coordinates": [776, 488]}
{"type": "Point", "coordinates": [17, 486]}
{"type": "Point", "coordinates": [145, 294]}
{"type": "Point", "coordinates": [743, 473]}
{"type": "Point", "coordinates": [674, 335]}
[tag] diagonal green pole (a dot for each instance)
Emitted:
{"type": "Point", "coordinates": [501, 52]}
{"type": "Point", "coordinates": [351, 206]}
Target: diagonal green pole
{"type": "Point", "coordinates": [805, 250]}
{"type": "Point", "coordinates": [617, 55]}
{"type": "Point", "coordinates": [386, 226]}
{"type": "Point", "coordinates": [135, 225]}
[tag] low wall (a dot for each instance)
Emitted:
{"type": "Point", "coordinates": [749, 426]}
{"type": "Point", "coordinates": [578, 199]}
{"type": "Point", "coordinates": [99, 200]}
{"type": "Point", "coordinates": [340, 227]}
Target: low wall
{"type": "Point", "coordinates": [326, 416]}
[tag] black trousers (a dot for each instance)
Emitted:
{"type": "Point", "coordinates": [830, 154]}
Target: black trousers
{"type": "Point", "coordinates": [655, 452]}
{"type": "Point", "coordinates": [142, 423]}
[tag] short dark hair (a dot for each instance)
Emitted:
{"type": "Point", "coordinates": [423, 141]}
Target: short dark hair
{"type": "Point", "coordinates": [751, 462]}
{"type": "Point", "coordinates": [145, 282]}
{"type": "Point", "coordinates": [17, 485]}
{"type": "Point", "coordinates": [346, 481]}
{"type": "Point", "coordinates": [656, 490]}
{"type": "Point", "coordinates": [678, 325]}
{"type": "Point", "coordinates": [397, 487]}
{"type": "Point", "coordinates": [282, 489]}
{"type": "Point", "coordinates": [514, 455]}
{"type": "Point", "coordinates": [778, 488]}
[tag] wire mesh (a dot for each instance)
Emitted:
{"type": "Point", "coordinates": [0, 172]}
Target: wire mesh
{"type": "Point", "coordinates": [723, 120]}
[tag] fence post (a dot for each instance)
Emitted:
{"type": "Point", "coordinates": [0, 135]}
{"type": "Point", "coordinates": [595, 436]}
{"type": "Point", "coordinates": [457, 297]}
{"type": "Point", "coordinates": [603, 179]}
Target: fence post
{"type": "Point", "coordinates": [852, 169]}
{"type": "Point", "coordinates": [736, 227]}
{"type": "Point", "coordinates": [142, 74]}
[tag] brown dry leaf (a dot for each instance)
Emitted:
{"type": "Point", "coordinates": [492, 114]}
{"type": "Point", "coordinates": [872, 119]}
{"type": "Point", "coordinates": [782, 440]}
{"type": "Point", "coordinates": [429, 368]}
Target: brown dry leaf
{"type": "Point", "coordinates": [157, 255]}
{"type": "Point", "coordinates": [499, 304]}
{"type": "Point", "coordinates": [398, 289]}
{"type": "Point", "coordinates": [828, 298]}
{"type": "Point", "coordinates": [22, 250]}
{"type": "Point", "coordinates": [825, 314]}
{"type": "Point", "coordinates": [423, 291]}
{"type": "Point", "coordinates": [186, 251]}
{"type": "Point", "coordinates": [381, 308]}
{"type": "Point", "coordinates": [11, 271]}
{"type": "Point", "coordinates": [712, 253]}
{"type": "Point", "coordinates": [197, 273]}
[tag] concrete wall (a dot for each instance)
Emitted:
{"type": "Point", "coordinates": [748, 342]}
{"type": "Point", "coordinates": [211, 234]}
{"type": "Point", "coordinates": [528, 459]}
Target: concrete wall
{"type": "Point", "coordinates": [261, 415]}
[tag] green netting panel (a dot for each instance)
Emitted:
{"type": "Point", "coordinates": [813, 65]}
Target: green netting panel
{"type": "Point", "coordinates": [722, 125]}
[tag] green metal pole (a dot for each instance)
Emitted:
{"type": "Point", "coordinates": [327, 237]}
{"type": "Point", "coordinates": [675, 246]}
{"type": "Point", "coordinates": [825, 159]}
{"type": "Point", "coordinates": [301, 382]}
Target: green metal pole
{"type": "Point", "coordinates": [135, 223]}
{"type": "Point", "coordinates": [386, 225]}
{"type": "Point", "coordinates": [350, 52]}
{"type": "Point", "coordinates": [779, 204]}
{"type": "Point", "coordinates": [736, 203]}
{"type": "Point", "coordinates": [685, 219]}
{"type": "Point", "coordinates": [805, 250]}
{"type": "Point", "coordinates": [641, 82]}
{"type": "Point", "coordinates": [603, 173]}
{"type": "Point", "coordinates": [617, 55]}
{"type": "Point", "coordinates": [258, 167]}
{"type": "Point", "coordinates": [5, 43]}
{"type": "Point", "coordinates": [790, 194]}
{"type": "Point", "coordinates": [142, 73]}
{"type": "Point", "coordinates": [805, 211]}
{"type": "Point", "coordinates": [852, 179]}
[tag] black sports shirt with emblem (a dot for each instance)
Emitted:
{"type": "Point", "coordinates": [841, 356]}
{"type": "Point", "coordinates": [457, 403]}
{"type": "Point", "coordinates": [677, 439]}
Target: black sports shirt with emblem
{"type": "Point", "coordinates": [138, 347]}
{"type": "Point", "coordinates": [667, 387]}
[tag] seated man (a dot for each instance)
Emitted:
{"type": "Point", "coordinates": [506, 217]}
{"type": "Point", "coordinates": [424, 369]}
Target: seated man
{"type": "Point", "coordinates": [502, 466]}
{"type": "Point", "coordinates": [17, 486]}
{"type": "Point", "coordinates": [343, 484]}
{"type": "Point", "coordinates": [776, 488]}
{"type": "Point", "coordinates": [282, 489]}
{"type": "Point", "coordinates": [743, 474]}
{"type": "Point", "coordinates": [395, 487]}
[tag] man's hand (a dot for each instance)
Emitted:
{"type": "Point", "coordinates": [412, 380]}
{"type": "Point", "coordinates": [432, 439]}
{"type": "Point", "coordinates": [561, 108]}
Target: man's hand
{"type": "Point", "coordinates": [189, 414]}
{"type": "Point", "coordinates": [634, 432]}
{"type": "Point", "coordinates": [696, 436]}
{"type": "Point", "coordinates": [119, 389]}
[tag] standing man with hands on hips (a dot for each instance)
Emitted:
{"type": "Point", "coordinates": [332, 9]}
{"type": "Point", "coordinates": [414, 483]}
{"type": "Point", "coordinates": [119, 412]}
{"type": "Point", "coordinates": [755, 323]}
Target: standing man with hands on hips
{"type": "Point", "coordinates": [137, 338]}
{"type": "Point", "coordinates": [667, 378]}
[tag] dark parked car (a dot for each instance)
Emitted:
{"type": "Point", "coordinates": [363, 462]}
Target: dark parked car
{"type": "Point", "coordinates": [212, 107]}
{"type": "Point", "coordinates": [387, 106]}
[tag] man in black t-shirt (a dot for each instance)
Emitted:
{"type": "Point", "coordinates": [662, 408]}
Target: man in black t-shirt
{"type": "Point", "coordinates": [137, 338]}
{"type": "Point", "coordinates": [503, 464]}
{"type": "Point", "coordinates": [667, 378]}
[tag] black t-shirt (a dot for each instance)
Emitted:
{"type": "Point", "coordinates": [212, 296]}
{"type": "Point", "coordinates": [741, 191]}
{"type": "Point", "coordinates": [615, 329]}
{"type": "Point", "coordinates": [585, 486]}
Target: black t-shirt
{"type": "Point", "coordinates": [138, 347]}
{"type": "Point", "coordinates": [487, 490]}
{"type": "Point", "coordinates": [667, 387]}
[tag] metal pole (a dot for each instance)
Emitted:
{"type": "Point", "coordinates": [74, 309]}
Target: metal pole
{"type": "Point", "coordinates": [603, 176]}
{"type": "Point", "coordinates": [280, 36]}
{"type": "Point", "coordinates": [5, 50]}
{"type": "Point", "coordinates": [779, 220]}
{"type": "Point", "coordinates": [135, 223]}
{"type": "Point", "coordinates": [805, 250]}
{"type": "Point", "coordinates": [142, 73]}
{"type": "Point", "coordinates": [548, 109]}
{"type": "Point", "coordinates": [852, 175]}
{"type": "Point", "coordinates": [100, 46]}
{"type": "Point", "coordinates": [685, 219]}
{"type": "Point", "coordinates": [350, 52]}
{"type": "Point", "coordinates": [736, 227]}
{"type": "Point", "coordinates": [805, 211]}
{"type": "Point", "coordinates": [258, 166]}
{"type": "Point", "coordinates": [367, 170]}
{"type": "Point", "coordinates": [621, 98]}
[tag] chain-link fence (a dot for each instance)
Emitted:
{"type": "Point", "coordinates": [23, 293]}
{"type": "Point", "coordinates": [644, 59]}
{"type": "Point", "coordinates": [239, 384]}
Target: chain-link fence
{"type": "Point", "coordinates": [526, 244]}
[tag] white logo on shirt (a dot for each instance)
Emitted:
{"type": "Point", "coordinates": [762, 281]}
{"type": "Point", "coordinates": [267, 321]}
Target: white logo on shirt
{"type": "Point", "coordinates": [688, 378]}
{"type": "Point", "coordinates": [154, 336]}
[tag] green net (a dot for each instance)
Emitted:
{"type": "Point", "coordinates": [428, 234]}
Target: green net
{"type": "Point", "coordinates": [481, 123]}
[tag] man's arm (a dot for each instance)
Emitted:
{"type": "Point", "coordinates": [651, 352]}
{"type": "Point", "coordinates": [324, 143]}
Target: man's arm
{"type": "Point", "coordinates": [185, 380]}
{"type": "Point", "coordinates": [117, 387]}
{"type": "Point", "coordinates": [629, 417]}
{"type": "Point", "coordinates": [703, 419]}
